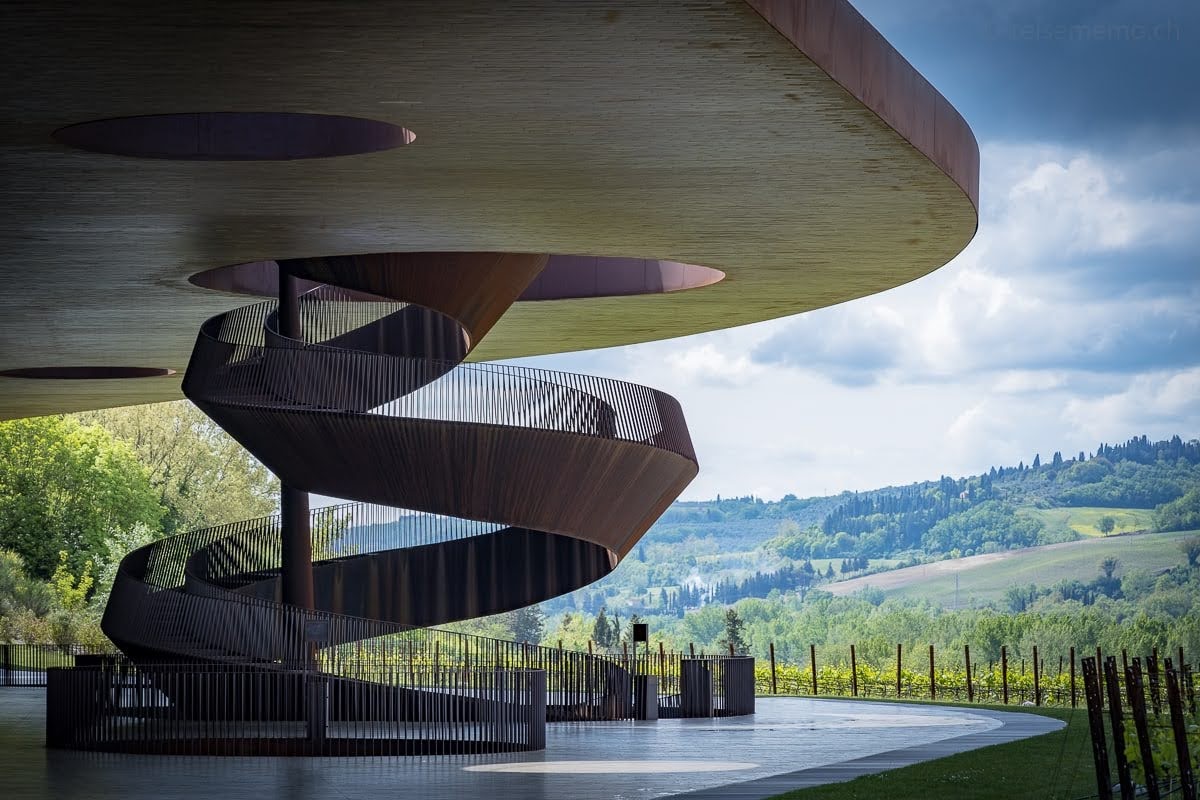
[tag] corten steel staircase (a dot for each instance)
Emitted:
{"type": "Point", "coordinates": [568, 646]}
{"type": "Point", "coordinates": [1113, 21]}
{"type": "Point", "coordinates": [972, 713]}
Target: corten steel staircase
{"type": "Point", "coordinates": [481, 488]}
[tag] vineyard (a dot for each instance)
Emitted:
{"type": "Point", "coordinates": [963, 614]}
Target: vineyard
{"type": "Point", "coordinates": [930, 675]}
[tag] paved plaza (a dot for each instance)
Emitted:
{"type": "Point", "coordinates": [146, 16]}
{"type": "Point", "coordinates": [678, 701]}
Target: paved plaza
{"type": "Point", "coordinates": [789, 743]}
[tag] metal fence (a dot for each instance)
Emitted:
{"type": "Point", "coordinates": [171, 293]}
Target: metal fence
{"type": "Point", "coordinates": [26, 664]}
{"type": "Point", "coordinates": [234, 710]}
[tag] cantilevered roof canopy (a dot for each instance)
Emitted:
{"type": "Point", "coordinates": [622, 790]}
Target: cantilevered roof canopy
{"type": "Point", "coordinates": [782, 142]}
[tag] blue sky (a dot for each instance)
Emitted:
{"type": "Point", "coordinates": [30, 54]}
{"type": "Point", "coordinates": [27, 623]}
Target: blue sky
{"type": "Point", "coordinates": [1072, 318]}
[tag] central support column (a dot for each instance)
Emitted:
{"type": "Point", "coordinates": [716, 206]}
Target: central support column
{"type": "Point", "coordinates": [297, 568]}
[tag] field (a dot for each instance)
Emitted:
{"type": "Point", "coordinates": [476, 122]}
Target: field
{"type": "Point", "coordinates": [984, 579]}
{"type": "Point", "coordinates": [1085, 519]}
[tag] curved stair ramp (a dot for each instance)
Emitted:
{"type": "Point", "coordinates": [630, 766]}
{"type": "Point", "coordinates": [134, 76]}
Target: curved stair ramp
{"type": "Point", "coordinates": [480, 488]}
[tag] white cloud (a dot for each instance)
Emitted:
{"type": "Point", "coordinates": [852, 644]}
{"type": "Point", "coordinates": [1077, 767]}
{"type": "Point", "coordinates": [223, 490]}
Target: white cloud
{"type": "Point", "coordinates": [1073, 318]}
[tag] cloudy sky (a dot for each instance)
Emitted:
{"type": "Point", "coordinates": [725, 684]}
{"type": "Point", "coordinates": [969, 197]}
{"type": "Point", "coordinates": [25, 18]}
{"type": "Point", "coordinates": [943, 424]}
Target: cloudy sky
{"type": "Point", "coordinates": [1072, 318]}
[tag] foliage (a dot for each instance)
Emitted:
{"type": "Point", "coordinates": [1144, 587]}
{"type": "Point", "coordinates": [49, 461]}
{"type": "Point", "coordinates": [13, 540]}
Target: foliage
{"type": "Point", "coordinates": [734, 638]}
{"type": "Point", "coordinates": [70, 592]}
{"type": "Point", "coordinates": [1190, 547]}
{"type": "Point", "coordinates": [1182, 514]}
{"type": "Point", "coordinates": [202, 476]}
{"type": "Point", "coordinates": [65, 486]}
{"type": "Point", "coordinates": [18, 592]}
{"type": "Point", "coordinates": [991, 522]}
{"type": "Point", "coordinates": [527, 624]}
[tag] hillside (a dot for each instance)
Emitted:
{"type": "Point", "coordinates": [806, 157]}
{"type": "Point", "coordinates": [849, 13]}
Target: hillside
{"type": "Point", "coordinates": [985, 579]}
{"type": "Point", "coordinates": [721, 550]}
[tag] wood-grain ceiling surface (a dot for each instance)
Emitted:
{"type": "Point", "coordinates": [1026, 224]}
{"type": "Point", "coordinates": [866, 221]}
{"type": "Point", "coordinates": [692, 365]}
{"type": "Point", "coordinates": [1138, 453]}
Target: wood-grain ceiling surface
{"type": "Point", "coordinates": [697, 131]}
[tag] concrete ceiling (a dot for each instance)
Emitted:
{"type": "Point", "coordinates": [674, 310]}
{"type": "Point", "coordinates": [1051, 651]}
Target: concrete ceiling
{"type": "Point", "coordinates": [708, 132]}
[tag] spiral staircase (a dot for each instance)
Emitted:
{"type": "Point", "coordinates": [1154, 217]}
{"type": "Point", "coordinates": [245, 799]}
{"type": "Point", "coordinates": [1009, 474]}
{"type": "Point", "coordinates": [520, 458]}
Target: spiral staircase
{"type": "Point", "coordinates": [479, 489]}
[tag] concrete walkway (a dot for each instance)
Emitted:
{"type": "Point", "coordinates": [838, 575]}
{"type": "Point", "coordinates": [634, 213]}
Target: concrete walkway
{"type": "Point", "coordinates": [789, 743]}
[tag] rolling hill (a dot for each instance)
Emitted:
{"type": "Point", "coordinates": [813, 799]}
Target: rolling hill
{"type": "Point", "coordinates": [985, 578]}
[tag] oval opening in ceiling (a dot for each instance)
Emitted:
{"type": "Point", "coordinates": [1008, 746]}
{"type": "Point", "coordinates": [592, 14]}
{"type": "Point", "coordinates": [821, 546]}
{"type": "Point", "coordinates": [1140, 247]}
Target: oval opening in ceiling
{"type": "Point", "coordinates": [563, 278]}
{"type": "Point", "coordinates": [86, 373]}
{"type": "Point", "coordinates": [235, 136]}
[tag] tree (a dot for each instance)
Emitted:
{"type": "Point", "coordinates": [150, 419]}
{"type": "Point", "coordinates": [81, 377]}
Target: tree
{"type": "Point", "coordinates": [601, 632]}
{"type": "Point", "coordinates": [1108, 566]}
{"type": "Point", "coordinates": [527, 624]}
{"type": "Point", "coordinates": [201, 474]}
{"type": "Point", "coordinates": [735, 635]}
{"type": "Point", "coordinates": [1191, 549]}
{"type": "Point", "coordinates": [70, 591]}
{"type": "Point", "coordinates": [67, 487]}
{"type": "Point", "coordinates": [17, 591]}
{"type": "Point", "coordinates": [1106, 524]}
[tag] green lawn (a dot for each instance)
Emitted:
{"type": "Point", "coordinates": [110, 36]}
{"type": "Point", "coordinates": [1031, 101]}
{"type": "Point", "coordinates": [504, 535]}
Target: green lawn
{"type": "Point", "coordinates": [985, 579]}
{"type": "Point", "coordinates": [1048, 767]}
{"type": "Point", "coordinates": [22, 658]}
{"type": "Point", "coordinates": [1085, 520]}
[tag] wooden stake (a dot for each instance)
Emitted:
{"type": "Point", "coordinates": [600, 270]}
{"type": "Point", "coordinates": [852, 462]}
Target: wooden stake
{"type": "Point", "coordinates": [1004, 672]}
{"type": "Point", "coordinates": [774, 685]}
{"type": "Point", "coordinates": [812, 662]}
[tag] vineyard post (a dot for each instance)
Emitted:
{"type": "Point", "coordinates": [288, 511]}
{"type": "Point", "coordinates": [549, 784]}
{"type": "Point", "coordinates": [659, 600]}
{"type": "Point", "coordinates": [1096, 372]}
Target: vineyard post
{"type": "Point", "coordinates": [1117, 721]}
{"type": "Point", "coordinates": [1060, 663]}
{"type": "Point", "coordinates": [853, 673]}
{"type": "Point", "coordinates": [899, 659]}
{"type": "Point", "coordinates": [1095, 706]}
{"type": "Point", "coordinates": [1074, 697]}
{"type": "Point", "coordinates": [967, 659]}
{"type": "Point", "coordinates": [932, 686]}
{"type": "Point", "coordinates": [1155, 683]}
{"type": "Point", "coordinates": [812, 662]}
{"type": "Point", "coordinates": [774, 685]}
{"type": "Point", "coordinates": [1187, 778]}
{"type": "Point", "coordinates": [1179, 664]}
{"type": "Point", "coordinates": [1037, 687]}
{"type": "Point", "coordinates": [1004, 671]}
{"type": "Point", "coordinates": [1137, 702]}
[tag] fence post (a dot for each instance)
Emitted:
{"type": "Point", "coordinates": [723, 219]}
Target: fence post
{"type": "Point", "coordinates": [774, 685]}
{"type": "Point", "coordinates": [1074, 700]}
{"type": "Point", "coordinates": [7, 664]}
{"type": "Point", "coordinates": [1187, 778]}
{"type": "Point", "coordinates": [692, 648]}
{"type": "Point", "coordinates": [812, 662]}
{"type": "Point", "coordinates": [1037, 686]}
{"type": "Point", "coordinates": [731, 649]}
{"type": "Point", "coordinates": [1117, 722]}
{"type": "Point", "coordinates": [1095, 706]}
{"type": "Point", "coordinates": [899, 660]}
{"type": "Point", "coordinates": [1136, 690]}
{"type": "Point", "coordinates": [589, 647]}
{"type": "Point", "coordinates": [1155, 684]}
{"type": "Point", "coordinates": [932, 686]}
{"type": "Point", "coordinates": [970, 686]}
{"type": "Point", "coordinates": [1099, 674]}
{"type": "Point", "coordinates": [1004, 671]}
{"type": "Point", "coordinates": [853, 673]}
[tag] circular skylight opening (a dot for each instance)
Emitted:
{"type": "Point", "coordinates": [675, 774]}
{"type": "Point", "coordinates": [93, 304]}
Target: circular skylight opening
{"type": "Point", "coordinates": [235, 136]}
